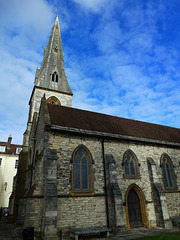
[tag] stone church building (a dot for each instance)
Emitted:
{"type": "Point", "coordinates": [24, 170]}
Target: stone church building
{"type": "Point", "coordinates": [81, 169]}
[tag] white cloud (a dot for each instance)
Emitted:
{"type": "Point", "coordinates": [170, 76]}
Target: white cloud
{"type": "Point", "coordinates": [24, 30]}
{"type": "Point", "coordinates": [26, 16]}
{"type": "Point", "coordinates": [92, 5]}
{"type": "Point", "coordinates": [127, 70]}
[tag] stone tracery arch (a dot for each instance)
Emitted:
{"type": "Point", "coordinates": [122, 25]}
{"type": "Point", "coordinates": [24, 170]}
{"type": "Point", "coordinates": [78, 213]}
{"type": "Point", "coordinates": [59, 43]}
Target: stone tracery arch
{"type": "Point", "coordinates": [82, 174]}
{"type": "Point", "coordinates": [53, 100]}
{"type": "Point", "coordinates": [169, 178]}
{"type": "Point", "coordinates": [131, 164]}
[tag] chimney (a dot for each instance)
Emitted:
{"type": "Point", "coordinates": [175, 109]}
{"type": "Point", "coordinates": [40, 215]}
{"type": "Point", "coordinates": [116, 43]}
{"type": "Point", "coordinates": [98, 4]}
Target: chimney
{"type": "Point", "coordinates": [9, 141]}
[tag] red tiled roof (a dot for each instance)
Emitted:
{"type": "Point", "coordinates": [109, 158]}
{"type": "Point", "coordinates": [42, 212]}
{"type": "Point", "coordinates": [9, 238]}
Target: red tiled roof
{"type": "Point", "coordinates": [86, 120]}
{"type": "Point", "coordinates": [11, 150]}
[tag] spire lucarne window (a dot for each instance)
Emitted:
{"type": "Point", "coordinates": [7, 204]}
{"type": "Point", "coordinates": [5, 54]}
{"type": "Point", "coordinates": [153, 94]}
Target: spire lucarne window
{"type": "Point", "coordinates": [55, 77]}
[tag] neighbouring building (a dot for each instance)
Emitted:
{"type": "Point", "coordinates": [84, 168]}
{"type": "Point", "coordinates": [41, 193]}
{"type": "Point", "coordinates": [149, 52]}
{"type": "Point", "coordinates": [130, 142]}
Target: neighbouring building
{"type": "Point", "coordinates": [9, 157]}
{"type": "Point", "coordinates": [83, 169]}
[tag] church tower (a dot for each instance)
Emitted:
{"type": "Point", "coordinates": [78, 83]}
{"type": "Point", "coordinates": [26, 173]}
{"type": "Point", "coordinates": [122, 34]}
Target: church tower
{"type": "Point", "coordinates": [50, 79]}
{"type": "Point", "coordinates": [51, 82]}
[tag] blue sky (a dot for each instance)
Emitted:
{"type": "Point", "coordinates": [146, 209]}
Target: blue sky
{"type": "Point", "coordinates": [122, 57]}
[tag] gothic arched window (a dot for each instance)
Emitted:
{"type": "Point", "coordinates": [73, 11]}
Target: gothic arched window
{"type": "Point", "coordinates": [131, 166]}
{"type": "Point", "coordinates": [169, 177]}
{"type": "Point", "coordinates": [82, 179]}
{"type": "Point", "coordinates": [55, 77]}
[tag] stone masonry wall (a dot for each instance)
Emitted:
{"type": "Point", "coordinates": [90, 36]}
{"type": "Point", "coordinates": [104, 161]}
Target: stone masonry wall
{"type": "Point", "coordinates": [65, 99]}
{"type": "Point", "coordinates": [173, 202]}
{"type": "Point", "coordinates": [66, 144]}
{"type": "Point", "coordinates": [78, 211]}
{"type": "Point", "coordinates": [173, 199]}
{"type": "Point", "coordinates": [89, 211]}
{"type": "Point", "coordinates": [81, 212]}
{"type": "Point", "coordinates": [34, 201]}
{"type": "Point", "coordinates": [117, 149]}
{"type": "Point", "coordinates": [34, 211]}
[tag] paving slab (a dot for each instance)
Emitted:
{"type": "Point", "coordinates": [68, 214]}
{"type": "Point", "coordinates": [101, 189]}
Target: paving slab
{"type": "Point", "coordinates": [141, 232]}
{"type": "Point", "coordinates": [10, 232]}
{"type": "Point", "coordinates": [5, 231]}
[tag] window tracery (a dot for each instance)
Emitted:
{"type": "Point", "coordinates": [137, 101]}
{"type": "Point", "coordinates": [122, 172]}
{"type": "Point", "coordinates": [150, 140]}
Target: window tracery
{"type": "Point", "coordinates": [82, 174]}
{"type": "Point", "coordinates": [131, 166]}
{"type": "Point", "coordinates": [169, 177]}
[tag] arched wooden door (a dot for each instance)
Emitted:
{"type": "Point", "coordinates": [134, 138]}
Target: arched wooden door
{"type": "Point", "coordinates": [134, 210]}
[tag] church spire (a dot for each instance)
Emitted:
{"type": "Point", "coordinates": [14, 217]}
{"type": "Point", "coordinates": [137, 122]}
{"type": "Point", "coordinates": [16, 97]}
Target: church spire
{"type": "Point", "coordinates": [51, 75]}
{"type": "Point", "coordinates": [57, 21]}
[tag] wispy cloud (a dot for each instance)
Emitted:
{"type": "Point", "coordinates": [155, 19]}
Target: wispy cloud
{"type": "Point", "coordinates": [121, 57]}
{"type": "Point", "coordinates": [23, 31]}
{"type": "Point", "coordinates": [91, 5]}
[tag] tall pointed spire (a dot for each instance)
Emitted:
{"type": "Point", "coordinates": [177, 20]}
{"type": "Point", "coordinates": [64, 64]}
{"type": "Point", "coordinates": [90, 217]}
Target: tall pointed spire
{"type": "Point", "coordinates": [51, 75]}
{"type": "Point", "coordinates": [57, 21]}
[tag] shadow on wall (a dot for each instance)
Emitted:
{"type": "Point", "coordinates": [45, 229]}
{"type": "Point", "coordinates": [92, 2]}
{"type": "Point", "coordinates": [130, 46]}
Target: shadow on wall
{"type": "Point", "coordinates": [2, 186]}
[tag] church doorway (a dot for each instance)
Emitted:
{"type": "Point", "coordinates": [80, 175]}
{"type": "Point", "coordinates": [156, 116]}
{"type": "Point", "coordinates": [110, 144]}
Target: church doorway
{"type": "Point", "coordinates": [135, 208]}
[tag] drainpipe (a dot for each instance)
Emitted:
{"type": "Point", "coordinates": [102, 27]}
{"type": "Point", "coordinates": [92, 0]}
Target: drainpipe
{"type": "Point", "coordinates": [105, 182]}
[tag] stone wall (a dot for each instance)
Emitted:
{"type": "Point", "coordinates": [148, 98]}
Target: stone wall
{"type": "Point", "coordinates": [173, 202]}
{"type": "Point", "coordinates": [65, 99]}
{"type": "Point", "coordinates": [34, 198]}
{"type": "Point", "coordinates": [78, 211]}
{"type": "Point", "coordinates": [34, 214]}
{"type": "Point", "coordinates": [66, 144]}
{"type": "Point", "coordinates": [52, 177]}
{"type": "Point", "coordinates": [173, 199]}
{"type": "Point", "coordinates": [81, 212]}
{"type": "Point", "coordinates": [117, 149]}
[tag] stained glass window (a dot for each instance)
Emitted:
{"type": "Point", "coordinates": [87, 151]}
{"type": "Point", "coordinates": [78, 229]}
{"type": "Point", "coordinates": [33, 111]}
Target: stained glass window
{"type": "Point", "coordinates": [82, 170]}
{"type": "Point", "coordinates": [130, 165]}
{"type": "Point", "coordinates": [126, 168]}
{"type": "Point", "coordinates": [84, 174]}
{"type": "Point", "coordinates": [168, 174]}
{"type": "Point", "coordinates": [164, 175]}
{"type": "Point", "coordinates": [77, 173]}
{"type": "Point", "coordinates": [132, 168]}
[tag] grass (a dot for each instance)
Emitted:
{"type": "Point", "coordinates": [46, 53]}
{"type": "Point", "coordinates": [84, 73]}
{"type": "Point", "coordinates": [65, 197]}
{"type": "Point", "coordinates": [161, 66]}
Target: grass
{"type": "Point", "coordinates": [159, 237]}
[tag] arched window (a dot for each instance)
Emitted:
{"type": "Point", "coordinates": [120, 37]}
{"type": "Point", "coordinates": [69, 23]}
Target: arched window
{"type": "Point", "coordinates": [131, 166]}
{"type": "Point", "coordinates": [82, 179]}
{"type": "Point", "coordinates": [169, 177]}
{"type": "Point", "coordinates": [55, 77]}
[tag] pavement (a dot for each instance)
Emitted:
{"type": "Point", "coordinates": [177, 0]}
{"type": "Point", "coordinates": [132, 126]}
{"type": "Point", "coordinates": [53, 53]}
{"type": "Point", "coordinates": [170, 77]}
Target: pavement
{"type": "Point", "coordinates": [142, 232]}
{"type": "Point", "coordinates": [10, 232]}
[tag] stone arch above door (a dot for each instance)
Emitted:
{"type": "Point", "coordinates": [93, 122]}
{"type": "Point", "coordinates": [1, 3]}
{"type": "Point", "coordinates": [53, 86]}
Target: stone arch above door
{"type": "Point", "coordinates": [139, 195]}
